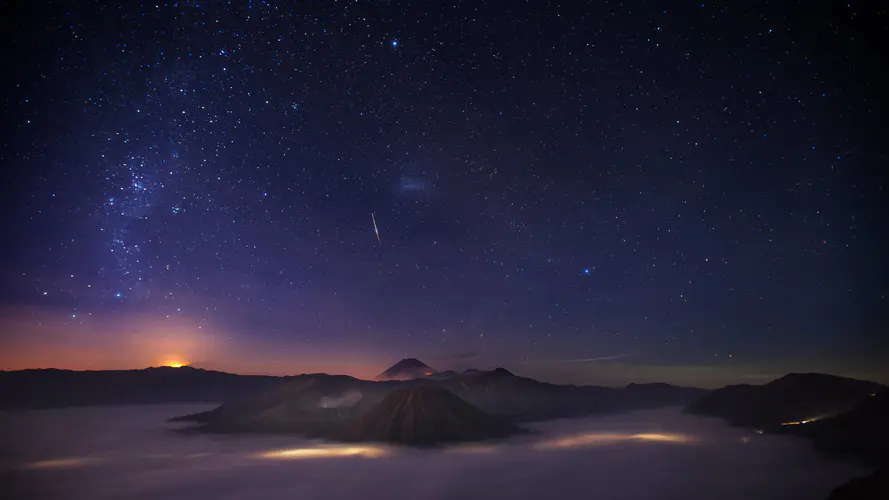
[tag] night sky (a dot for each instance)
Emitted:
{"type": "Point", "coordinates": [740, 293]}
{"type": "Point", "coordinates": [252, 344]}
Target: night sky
{"type": "Point", "coordinates": [600, 193]}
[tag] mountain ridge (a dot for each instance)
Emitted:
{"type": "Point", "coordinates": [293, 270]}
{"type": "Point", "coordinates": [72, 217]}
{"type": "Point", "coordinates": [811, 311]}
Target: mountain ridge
{"type": "Point", "coordinates": [299, 405]}
{"type": "Point", "coordinates": [792, 398]}
{"type": "Point", "coordinates": [58, 388]}
{"type": "Point", "coordinates": [841, 417]}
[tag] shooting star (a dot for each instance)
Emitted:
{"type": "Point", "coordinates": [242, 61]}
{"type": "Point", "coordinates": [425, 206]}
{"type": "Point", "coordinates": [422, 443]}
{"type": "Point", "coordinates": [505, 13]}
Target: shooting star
{"type": "Point", "coordinates": [377, 231]}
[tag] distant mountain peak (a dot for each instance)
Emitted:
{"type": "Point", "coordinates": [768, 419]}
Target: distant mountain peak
{"type": "Point", "coordinates": [407, 368]}
{"type": "Point", "coordinates": [411, 362]}
{"type": "Point", "coordinates": [811, 376]}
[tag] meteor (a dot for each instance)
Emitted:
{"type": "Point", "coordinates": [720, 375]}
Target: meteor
{"type": "Point", "coordinates": [377, 231]}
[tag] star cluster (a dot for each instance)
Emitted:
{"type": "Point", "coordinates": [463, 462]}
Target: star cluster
{"type": "Point", "coordinates": [664, 184]}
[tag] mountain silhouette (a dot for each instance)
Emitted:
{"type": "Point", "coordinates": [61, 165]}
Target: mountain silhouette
{"type": "Point", "coordinates": [406, 369]}
{"type": "Point", "coordinates": [300, 405]}
{"type": "Point", "coordinates": [423, 416]}
{"type": "Point", "coordinates": [320, 405]}
{"type": "Point", "coordinates": [793, 398]}
{"type": "Point", "coordinates": [872, 487]}
{"type": "Point", "coordinates": [842, 417]}
{"type": "Point", "coordinates": [859, 434]}
{"type": "Point", "coordinates": [52, 388]}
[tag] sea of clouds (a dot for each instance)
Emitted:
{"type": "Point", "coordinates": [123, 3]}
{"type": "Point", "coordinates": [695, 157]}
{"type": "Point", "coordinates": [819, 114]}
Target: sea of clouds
{"type": "Point", "coordinates": [132, 452]}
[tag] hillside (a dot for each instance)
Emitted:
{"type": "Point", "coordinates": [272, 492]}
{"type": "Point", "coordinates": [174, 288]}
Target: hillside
{"type": "Point", "coordinates": [423, 416]}
{"type": "Point", "coordinates": [304, 404]}
{"type": "Point", "coordinates": [319, 405]}
{"type": "Point", "coordinates": [861, 433]}
{"type": "Point", "coordinates": [792, 398]}
{"type": "Point", "coordinates": [312, 405]}
{"type": "Point", "coordinates": [872, 487]}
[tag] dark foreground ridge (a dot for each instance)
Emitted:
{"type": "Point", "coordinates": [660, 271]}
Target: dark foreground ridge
{"type": "Point", "coordinates": [872, 487]}
{"type": "Point", "coordinates": [841, 417]}
{"type": "Point", "coordinates": [861, 433]}
{"type": "Point", "coordinates": [425, 416]}
{"type": "Point", "coordinates": [795, 397]}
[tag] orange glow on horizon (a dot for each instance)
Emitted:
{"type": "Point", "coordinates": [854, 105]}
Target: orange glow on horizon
{"type": "Point", "coordinates": [136, 341]}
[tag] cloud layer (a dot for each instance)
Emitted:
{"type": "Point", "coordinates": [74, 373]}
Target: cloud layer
{"type": "Point", "coordinates": [130, 453]}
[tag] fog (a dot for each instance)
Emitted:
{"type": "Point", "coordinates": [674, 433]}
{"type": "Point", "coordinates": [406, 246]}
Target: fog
{"type": "Point", "coordinates": [131, 452]}
{"type": "Point", "coordinates": [348, 398]}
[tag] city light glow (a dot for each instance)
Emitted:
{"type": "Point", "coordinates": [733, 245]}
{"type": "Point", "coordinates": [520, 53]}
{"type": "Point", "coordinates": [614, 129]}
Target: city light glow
{"type": "Point", "coordinates": [801, 422]}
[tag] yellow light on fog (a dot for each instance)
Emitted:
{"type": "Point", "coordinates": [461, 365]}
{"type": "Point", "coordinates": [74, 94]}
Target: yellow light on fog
{"type": "Point", "coordinates": [592, 439]}
{"type": "Point", "coordinates": [326, 452]}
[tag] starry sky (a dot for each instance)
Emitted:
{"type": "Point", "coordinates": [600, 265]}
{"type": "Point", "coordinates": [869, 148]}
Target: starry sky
{"type": "Point", "coordinates": [587, 192]}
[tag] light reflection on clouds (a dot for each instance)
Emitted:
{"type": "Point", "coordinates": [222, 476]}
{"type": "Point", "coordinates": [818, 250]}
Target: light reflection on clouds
{"type": "Point", "coordinates": [321, 451]}
{"type": "Point", "coordinates": [63, 463]}
{"type": "Point", "coordinates": [631, 456]}
{"type": "Point", "coordinates": [600, 438]}
{"type": "Point", "coordinates": [326, 452]}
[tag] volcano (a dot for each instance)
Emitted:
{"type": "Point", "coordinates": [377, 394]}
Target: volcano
{"type": "Point", "coordinates": [407, 369]}
{"type": "Point", "coordinates": [425, 416]}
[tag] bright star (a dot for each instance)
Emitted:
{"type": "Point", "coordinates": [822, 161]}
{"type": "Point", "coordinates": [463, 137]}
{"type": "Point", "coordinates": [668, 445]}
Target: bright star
{"type": "Point", "coordinates": [586, 271]}
{"type": "Point", "coordinates": [395, 43]}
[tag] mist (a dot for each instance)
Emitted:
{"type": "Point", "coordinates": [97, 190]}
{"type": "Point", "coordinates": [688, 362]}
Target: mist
{"type": "Point", "coordinates": [346, 399]}
{"type": "Point", "coordinates": [132, 452]}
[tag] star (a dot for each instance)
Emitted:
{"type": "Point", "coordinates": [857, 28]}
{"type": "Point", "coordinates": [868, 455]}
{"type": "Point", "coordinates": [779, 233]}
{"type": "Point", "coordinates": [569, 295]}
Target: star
{"type": "Point", "coordinates": [493, 169]}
